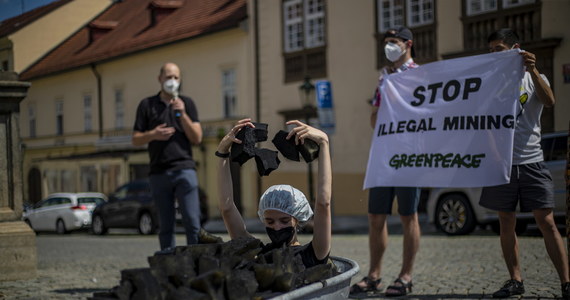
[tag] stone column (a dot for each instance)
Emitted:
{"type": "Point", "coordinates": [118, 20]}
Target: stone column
{"type": "Point", "coordinates": [18, 258]}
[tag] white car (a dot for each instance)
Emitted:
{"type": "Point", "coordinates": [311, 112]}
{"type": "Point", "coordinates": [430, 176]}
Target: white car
{"type": "Point", "coordinates": [456, 211]}
{"type": "Point", "coordinates": [63, 212]}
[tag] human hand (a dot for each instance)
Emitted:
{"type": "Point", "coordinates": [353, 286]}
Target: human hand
{"type": "Point", "coordinates": [226, 142]}
{"type": "Point", "coordinates": [162, 132]}
{"type": "Point", "coordinates": [529, 60]}
{"type": "Point", "coordinates": [177, 104]}
{"type": "Point", "coordinates": [303, 131]}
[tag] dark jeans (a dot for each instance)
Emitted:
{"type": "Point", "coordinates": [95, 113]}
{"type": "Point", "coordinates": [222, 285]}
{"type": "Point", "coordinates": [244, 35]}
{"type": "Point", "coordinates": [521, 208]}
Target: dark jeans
{"type": "Point", "coordinates": [165, 188]}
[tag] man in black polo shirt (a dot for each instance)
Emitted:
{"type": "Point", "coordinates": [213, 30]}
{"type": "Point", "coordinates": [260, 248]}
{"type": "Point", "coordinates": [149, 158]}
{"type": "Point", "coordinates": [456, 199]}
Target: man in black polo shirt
{"type": "Point", "coordinates": [169, 124]}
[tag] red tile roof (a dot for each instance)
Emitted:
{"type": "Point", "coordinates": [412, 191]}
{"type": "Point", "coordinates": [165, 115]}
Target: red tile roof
{"type": "Point", "coordinates": [126, 27]}
{"type": "Point", "coordinates": [16, 23]}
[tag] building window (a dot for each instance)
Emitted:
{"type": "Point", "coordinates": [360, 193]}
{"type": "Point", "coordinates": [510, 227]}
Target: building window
{"type": "Point", "coordinates": [483, 17]}
{"type": "Point", "coordinates": [475, 7]}
{"type": "Point", "coordinates": [418, 15]}
{"type": "Point", "coordinates": [229, 92]}
{"type": "Point", "coordinates": [515, 3]}
{"type": "Point", "coordinates": [59, 117]}
{"type": "Point", "coordinates": [304, 39]}
{"type": "Point", "coordinates": [87, 113]}
{"type": "Point", "coordinates": [32, 119]}
{"type": "Point", "coordinates": [390, 14]}
{"type": "Point", "coordinates": [420, 12]}
{"type": "Point", "coordinates": [119, 109]}
{"type": "Point", "coordinates": [4, 65]}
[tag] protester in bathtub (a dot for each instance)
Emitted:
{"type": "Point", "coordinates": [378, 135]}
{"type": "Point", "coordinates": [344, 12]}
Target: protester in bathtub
{"type": "Point", "coordinates": [282, 207]}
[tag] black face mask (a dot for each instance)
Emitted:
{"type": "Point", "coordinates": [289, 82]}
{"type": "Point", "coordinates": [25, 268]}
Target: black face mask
{"type": "Point", "coordinates": [280, 237]}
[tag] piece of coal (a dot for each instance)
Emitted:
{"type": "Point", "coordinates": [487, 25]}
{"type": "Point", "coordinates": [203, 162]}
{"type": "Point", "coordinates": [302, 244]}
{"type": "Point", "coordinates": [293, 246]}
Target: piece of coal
{"type": "Point", "coordinates": [309, 150]}
{"type": "Point", "coordinates": [240, 285]}
{"type": "Point", "coordinates": [243, 152]}
{"type": "Point", "coordinates": [207, 263]}
{"type": "Point", "coordinates": [177, 270]}
{"type": "Point", "coordinates": [138, 284]}
{"type": "Point", "coordinates": [183, 293]}
{"type": "Point", "coordinates": [267, 161]}
{"type": "Point", "coordinates": [286, 146]}
{"type": "Point", "coordinates": [260, 131]}
{"type": "Point", "coordinates": [210, 283]}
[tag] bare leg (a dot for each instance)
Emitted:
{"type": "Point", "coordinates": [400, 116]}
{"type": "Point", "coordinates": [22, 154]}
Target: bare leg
{"type": "Point", "coordinates": [509, 244]}
{"type": "Point", "coordinates": [377, 243]}
{"type": "Point", "coordinates": [553, 242]}
{"type": "Point", "coordinates": [411, 227]}
{"type": "Point", "coordinates": [411, 231]}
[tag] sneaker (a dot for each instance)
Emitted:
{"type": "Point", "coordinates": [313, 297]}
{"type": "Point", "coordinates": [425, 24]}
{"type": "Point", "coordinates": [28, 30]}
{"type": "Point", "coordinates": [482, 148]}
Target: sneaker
{"type": "Point", "coordinates": [566, 291]}
{"type": "Point", "coordinates": [510, 288]}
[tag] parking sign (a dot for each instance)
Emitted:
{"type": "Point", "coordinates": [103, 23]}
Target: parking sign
{"type": "Point", "coordinates": [325, 108]}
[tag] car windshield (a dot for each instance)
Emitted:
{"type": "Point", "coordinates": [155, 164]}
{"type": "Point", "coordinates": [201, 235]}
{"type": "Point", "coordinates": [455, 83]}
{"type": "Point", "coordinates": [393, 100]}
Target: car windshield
{"type": "Point", "coordinates": [90, 200]}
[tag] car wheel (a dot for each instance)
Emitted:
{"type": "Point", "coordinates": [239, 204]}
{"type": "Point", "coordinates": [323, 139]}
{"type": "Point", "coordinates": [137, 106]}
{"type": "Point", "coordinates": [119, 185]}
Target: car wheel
{"type": "Point", "coordinates": [146, 224]}
{"type": "Point", "coordinates": [520, 227]}
{"type": "Point", "coordinates": [60, 227]}
{"type": "Point", "coordinates": [97, 225]}
{"type": "Point", "coordinates": [454, 215]}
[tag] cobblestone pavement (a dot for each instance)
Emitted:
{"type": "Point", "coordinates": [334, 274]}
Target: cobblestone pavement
{"type": "Point", "coordinates": [468, 267]}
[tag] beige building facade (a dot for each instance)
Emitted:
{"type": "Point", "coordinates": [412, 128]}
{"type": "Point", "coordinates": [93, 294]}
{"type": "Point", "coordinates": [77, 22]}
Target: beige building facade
{"type": "Point", "coordinates": [78, 139]}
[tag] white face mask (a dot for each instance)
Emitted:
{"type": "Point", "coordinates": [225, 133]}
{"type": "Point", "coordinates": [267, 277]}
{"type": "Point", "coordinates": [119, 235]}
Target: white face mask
{"type": "Point", "coordinates": [171, 86]}
{"type": "Point", "coordinates": [393, 52]}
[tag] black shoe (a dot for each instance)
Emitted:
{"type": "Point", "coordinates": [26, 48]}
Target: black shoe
{"type": "Point", "coordinates": [205, 237]}
{"type": "Point", "coordinates": [510, 288]}
{"type": "Point", "coordinates": [566, 291]}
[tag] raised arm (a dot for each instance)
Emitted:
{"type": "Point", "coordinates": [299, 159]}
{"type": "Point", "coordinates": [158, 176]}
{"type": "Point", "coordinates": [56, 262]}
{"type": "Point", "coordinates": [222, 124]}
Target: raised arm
{"type": "Point", "coordinates": [542, 89]}
{"type": "Point", "coordinates": [232, 218]}
{"type": "Point", "coordinates": [322, 232]}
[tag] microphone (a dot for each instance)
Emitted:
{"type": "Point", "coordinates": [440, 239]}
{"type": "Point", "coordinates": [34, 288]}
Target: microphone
{"type": "Point", "coordinates": [177, 112]}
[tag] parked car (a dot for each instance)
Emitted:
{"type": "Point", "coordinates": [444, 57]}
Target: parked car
{"type": "Point", "coordinates": [131, 206]}
{"type": "Point", "coordinates": [456, 211]}
{"type": "Point", "coordinates": [63, 212]}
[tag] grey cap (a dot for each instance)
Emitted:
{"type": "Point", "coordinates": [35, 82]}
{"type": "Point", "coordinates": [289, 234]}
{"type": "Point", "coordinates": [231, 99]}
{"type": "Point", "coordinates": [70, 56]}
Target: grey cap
{"type": "Point", "coordinates": [286, 199]}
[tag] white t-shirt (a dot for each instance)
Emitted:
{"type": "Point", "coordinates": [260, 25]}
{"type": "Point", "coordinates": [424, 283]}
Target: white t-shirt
{"type": "Point", "coordinates": [527, 131]}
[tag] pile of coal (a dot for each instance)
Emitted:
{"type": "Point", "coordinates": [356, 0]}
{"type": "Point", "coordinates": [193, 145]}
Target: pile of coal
{"type": "Point", "coordinates": [234, 270]}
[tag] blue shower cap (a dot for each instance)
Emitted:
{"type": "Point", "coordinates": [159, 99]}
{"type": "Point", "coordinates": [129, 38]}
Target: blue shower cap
{"type": "Point", "coordinates": [286, 199]}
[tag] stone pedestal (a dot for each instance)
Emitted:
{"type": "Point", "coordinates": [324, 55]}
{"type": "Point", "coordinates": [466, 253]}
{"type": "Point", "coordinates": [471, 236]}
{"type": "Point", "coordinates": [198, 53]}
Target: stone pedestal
{"type": "Point", "coordinates": [18, 258]}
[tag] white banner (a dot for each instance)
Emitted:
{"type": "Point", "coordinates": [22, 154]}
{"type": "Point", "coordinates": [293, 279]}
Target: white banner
{"type": "Point", "coordinates": [447, 124]}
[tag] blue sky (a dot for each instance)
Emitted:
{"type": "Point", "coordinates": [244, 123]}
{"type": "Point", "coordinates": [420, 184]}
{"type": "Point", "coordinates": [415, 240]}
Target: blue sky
{"type": "Point", "coordinates": [12, 8]}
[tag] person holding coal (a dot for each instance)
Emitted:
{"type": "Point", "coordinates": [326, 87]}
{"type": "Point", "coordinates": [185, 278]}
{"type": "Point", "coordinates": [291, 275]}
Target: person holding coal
{"type": "Point", "coordinates": [283, 208]}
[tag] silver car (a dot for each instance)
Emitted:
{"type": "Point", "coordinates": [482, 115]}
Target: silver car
{"type": "Point", "coordinates": [456, 211]}
{"type": "Point", "coordinates": [63, 212]}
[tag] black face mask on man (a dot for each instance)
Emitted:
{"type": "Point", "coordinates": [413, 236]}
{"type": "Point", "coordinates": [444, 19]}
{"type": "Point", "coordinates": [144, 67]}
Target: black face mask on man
{"type": "Point", "coordinates": [280, 237]}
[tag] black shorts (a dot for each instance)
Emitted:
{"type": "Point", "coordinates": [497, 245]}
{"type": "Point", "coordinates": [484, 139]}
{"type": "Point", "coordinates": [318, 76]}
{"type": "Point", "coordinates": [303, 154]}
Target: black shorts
{"type": "Point", "coordinates": [530, 186]}
{"type": "Point", "coordinates": [380, 200]}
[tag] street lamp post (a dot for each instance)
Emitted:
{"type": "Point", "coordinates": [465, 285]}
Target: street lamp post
{"type": "Point", "coordinates": [307, 94]}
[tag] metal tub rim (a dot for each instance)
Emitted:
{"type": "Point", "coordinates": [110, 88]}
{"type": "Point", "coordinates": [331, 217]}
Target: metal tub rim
{"type": "Point", "coordinates": [336, 287]}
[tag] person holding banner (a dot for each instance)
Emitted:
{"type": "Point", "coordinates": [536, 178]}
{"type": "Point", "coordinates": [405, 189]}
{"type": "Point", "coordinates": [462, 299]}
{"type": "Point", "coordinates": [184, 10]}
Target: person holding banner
{"type": "Point", "coordinates": [530, 184]}
{"type": "Point", "coordinates": [398, 49]}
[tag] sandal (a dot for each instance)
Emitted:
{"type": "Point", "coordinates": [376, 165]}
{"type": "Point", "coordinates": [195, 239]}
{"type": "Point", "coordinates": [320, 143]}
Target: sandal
{"type": "Point", "coordinates": [370, 290]}
{"type": "Point", "coordinates": [402, 289]}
